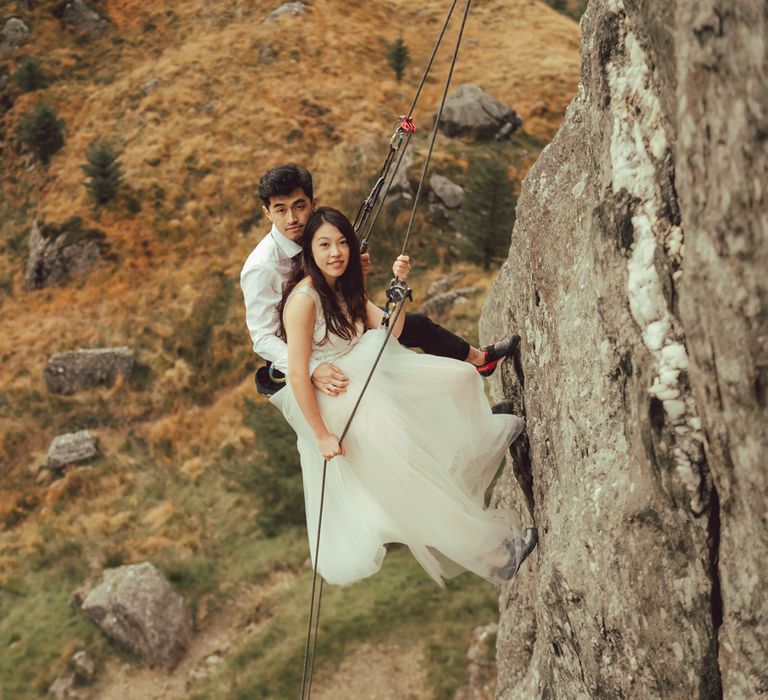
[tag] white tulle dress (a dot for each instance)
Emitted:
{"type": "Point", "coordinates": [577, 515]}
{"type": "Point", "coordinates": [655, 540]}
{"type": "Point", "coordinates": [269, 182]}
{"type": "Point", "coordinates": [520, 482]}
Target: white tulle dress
{"type": "Point", "coordinates": [419, 455]}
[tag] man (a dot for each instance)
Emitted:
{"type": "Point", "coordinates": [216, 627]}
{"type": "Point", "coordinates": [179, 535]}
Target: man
{"type": "Point", "coordinates": [288, 201]}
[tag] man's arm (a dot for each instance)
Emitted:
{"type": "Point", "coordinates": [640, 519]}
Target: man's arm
{"type": "Point", "coordinates": [262, 291]}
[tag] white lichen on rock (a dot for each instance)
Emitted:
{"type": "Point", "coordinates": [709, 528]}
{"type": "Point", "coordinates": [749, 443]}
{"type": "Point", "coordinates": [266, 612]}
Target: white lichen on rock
{"type": "Point", "coordinates": [639, 150]}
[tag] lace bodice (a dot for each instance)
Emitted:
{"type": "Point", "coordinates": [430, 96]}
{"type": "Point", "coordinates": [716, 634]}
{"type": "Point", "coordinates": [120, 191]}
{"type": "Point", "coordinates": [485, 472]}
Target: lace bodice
{"type": "Point", "coordinates": [334, 347]}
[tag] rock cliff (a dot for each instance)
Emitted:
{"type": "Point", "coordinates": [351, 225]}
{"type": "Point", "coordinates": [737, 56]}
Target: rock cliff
{"type": "Point", "coordinates": [636, 277]}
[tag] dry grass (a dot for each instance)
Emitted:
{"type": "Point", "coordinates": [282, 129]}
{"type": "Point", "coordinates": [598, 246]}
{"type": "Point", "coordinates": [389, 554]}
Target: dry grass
{"type": "Point", "coordinates": [192, 149]}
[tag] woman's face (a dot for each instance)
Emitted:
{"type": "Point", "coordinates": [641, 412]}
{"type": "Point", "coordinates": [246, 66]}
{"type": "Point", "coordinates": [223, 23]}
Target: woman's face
{"type": "Point", "coordinates": [330, 251]}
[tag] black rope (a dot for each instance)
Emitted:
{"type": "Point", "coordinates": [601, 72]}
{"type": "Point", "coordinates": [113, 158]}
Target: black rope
{"type": "Point", "coordinates": [307, 671]}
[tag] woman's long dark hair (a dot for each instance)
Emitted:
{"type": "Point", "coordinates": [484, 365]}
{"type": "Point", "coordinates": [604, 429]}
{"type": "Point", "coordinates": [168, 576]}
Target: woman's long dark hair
{"type": "Point", "coordinates": [350, 286]}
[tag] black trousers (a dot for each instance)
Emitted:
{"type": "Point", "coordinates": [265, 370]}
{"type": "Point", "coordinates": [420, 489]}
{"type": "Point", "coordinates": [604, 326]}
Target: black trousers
{"type": "Point", "coordinates": [420, 331]}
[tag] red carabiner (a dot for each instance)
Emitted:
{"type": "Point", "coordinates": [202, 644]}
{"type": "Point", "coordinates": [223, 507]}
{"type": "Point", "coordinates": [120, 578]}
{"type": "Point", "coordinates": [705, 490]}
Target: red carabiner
{"type": "Point", "coordinates": [406, 124]}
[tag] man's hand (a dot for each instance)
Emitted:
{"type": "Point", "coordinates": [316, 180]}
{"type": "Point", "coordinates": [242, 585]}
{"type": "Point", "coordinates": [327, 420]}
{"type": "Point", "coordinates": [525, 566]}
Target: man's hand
{"type": "Point", "coordinates": [329, 379]}
{"type": "Point", "coordinates": [365, 263]}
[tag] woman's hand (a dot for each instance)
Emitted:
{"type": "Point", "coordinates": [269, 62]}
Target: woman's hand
{"type": "Point", "coordinates": [365, 263]}
{"type": "Point", "coordinates": [402, 267]}
{"type": "Point", "coordinates": [329, 446]}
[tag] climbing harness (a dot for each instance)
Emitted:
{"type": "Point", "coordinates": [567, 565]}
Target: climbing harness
{"type": "Point", "coordinates": [269, 380]}
{"type": "Point", "coordinates": [397, 293]}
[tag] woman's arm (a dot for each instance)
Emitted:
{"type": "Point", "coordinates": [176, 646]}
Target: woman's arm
{"type": "Point", "coordinates": [299, 318]}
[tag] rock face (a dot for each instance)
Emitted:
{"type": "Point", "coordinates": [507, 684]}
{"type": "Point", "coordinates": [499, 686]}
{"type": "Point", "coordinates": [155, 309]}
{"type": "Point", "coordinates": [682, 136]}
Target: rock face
{"type": "Point", "coordinates": [637, 279]}
{"type": "Point", "coordinates": [57, 251]}
{"type": "Point", "coordinates": [13, 35]}
{"type": "Point", "coordinates": [470, 111]}
{"type": "Point", "coordinates": [71, 448]}
{"type": "Point", "coordinates": [136, 606]}
{"type": "Point", "coordinates": [68, 372]}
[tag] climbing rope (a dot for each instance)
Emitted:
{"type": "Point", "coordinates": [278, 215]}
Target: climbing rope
{"type": "Point", "coordinates": [314, 619]}
{"type": "Point", "coordinates": [399, 142]}
{"type": "Point", "coordinates": [397, 293]}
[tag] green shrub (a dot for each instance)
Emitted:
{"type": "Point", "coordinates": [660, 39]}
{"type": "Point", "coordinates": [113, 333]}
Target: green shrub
{"type": "Point", "coordinates": [104, 173]}
{"type": "Point", "coordinates": [42, 132]}
{"type": "Point", "coordinates": [487, 211]}
{"type": "Point", "coordinates": [29, 75]}
{"type": "Point", "coordinates": [398, 58]}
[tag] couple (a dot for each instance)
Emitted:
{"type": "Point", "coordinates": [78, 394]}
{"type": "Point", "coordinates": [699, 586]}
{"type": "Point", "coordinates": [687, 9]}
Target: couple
{"type": "Point", "coordinates": [423, 446]}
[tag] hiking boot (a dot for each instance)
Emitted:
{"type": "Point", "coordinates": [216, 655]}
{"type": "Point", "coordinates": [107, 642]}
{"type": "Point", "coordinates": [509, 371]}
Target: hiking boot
{"type": "Point", "coordinates": [522, 548]}
{"type": "Point", "coordinates": [497, 352]}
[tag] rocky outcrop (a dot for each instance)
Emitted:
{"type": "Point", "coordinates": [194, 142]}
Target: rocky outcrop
{"type": "Point", "coordinates": [448, 193]}
{"type": "Point", "coordinates": [71, 448]}
{"type": "Point", "coordinates": [439, 305]}
{"type": "Point", "coordinates": [400, 194]}
{"type": "Point", "coordinates": [636, 277]}
{"type": "Point", "coordinates": [290, 9]}
{"type": "Point", "coordinates": [470, 111]}
{"type": "Point", "coordinates": [71, 371]}
{"type": "Point", "coordinates": [481, 673]}
{"type": "Point", "coordinates": [83, 19]}
{"type": "Point", "coordinates": [57, 251]}
{"type": "Point", "coordinates": [13, 35]}
{"type": "Point", "coordinates": [136, 606]}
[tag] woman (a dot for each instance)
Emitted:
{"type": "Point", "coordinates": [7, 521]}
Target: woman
{"type": "Point", "coordinates": [423, 445]}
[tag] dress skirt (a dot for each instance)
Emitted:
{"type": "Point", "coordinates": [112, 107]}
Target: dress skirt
{"type": "Point", "coordinates": [420, 453]}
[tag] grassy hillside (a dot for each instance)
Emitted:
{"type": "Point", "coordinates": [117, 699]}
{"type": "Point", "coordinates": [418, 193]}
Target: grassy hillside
{"type": "Point", "coordinates": [199, 99]}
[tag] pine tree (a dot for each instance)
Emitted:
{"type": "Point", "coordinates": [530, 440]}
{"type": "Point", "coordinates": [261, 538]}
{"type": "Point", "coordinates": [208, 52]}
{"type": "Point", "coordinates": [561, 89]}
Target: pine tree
{"type": "Point", "coordinates": [104, 173]}
{"type": "Point", "coordinates": [42, 132]}
{"type": "Point", "coordinates": [398, 58]}
{"type": "Point", "coordinates": [29, 75]}
{"type": "Point", "coordinates": [487, 212]}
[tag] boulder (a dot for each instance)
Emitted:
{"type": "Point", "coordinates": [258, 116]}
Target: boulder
{"type": "Point", "coordinates": [481, 673]}
{"type": "Point", "coordinates": [636, 278]}
{"type": "Point", "coordinates": [84, 20]}
{"type": "Point", "coordinates": [438, 306]}
{"type": "Point", "coordinates": [443, 284]}
{"type": "Point", "coordinates": [64, 688]}
{"type": "Point", "coordinates": [137, 607]}
{"type": "Point", "coordinates": [14, 34]}
{"type": "Point", "coordinates": [448, 193]}
{"type": "Point", "coordinates": [57, 251]}
{"type": "Point", "coordinates": [84, 665]}
{"type": "Point", "coordinates": [71, 371]}
{"type": "Point", "coordinates": [291, 9]}
{"type": "Point", "coordinates": [470, 111]}
{"type": "Point", "coordinates": [400, 193]}
{"type": "Point", "coordinates": [71, 448]}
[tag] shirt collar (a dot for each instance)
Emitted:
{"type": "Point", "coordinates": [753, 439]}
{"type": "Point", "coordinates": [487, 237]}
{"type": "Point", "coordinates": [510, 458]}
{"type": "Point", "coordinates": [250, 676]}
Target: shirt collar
{"type": "Point", "coordinates": [289, 247]}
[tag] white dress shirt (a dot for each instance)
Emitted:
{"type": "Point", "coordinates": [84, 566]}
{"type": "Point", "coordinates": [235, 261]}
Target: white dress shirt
{"type": "Point", "coordinates": [261, 279]}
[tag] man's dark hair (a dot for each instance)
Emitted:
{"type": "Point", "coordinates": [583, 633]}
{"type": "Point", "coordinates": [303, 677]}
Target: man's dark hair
{"type": "Point", "coordinates": [282, 180]}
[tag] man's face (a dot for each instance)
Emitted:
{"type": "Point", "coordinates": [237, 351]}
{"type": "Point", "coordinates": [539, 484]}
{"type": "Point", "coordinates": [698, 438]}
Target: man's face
{"type": "Point", "coordinates": [290, 214]}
